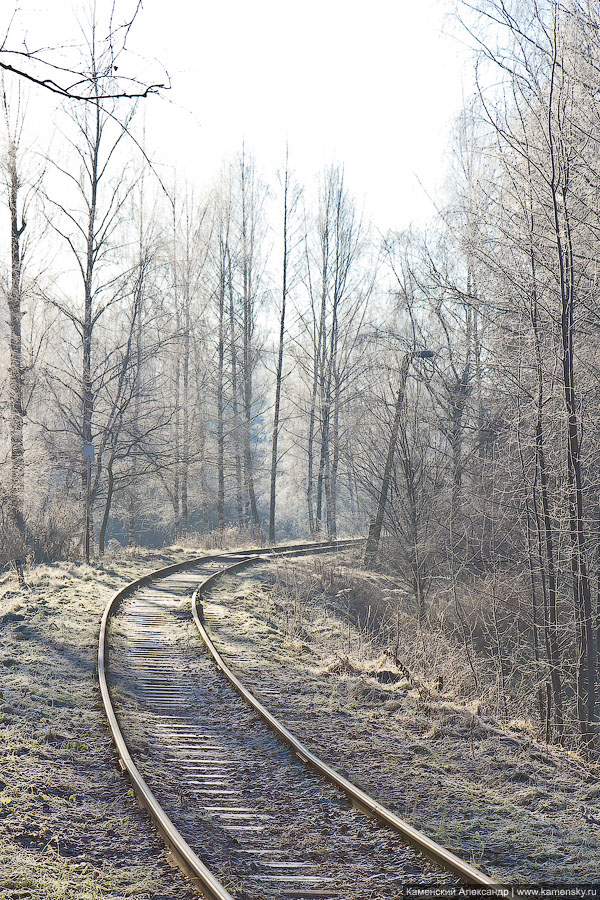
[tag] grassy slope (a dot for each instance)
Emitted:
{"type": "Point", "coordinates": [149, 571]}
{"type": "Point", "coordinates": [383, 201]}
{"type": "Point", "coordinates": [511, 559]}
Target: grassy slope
{"type": "Point", "coordinates": [500, 799]}
{"type": "Point", "coordinates": [70, 827]}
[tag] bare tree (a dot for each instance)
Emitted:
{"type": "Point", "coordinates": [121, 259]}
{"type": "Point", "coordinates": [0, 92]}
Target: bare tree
{"type": "Point", "coordinates": [290, 196]}
{"type": "Point", "coordinates": [89, 235]}
{"type": "Point", "coordinates": [339, 285]}
{"type": "Point", "coordinates": [14, 296]}
{"type": "Point", "coordinates": [251, 194]}
{"type": "Point", "coordinates": [541, 128]}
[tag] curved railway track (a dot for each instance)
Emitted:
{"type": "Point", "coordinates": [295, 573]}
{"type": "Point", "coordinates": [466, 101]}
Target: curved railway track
{"type": "Point", "coordinates": [238, 803]}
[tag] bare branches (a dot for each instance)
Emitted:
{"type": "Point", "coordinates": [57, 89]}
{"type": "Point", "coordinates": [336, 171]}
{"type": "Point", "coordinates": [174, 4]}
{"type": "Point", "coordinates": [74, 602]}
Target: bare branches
{"type": "Point", "coordinates": [72, 91]}
{"type": "Point", "coordinates": [51, 68]}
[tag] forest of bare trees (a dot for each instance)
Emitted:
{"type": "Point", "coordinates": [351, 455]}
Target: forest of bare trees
{"type": "Point", "coordinates": [259, 357]}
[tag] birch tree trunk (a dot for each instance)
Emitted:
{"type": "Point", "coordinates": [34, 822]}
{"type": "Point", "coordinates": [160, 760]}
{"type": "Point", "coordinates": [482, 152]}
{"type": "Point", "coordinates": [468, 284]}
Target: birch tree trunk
{"type": "Point", "coordinates": [16, 415]}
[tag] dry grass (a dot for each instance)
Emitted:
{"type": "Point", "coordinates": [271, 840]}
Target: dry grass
{"type": "Point", "coordinates": [377, 711]}
{"type": "Point", "coordinates": [70, 826]}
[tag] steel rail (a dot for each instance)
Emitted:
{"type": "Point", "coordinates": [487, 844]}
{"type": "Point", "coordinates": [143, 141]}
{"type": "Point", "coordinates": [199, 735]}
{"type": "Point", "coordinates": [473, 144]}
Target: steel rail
{"type": "Point", "coordinates": [182, 853]}
{"type": "Point", "coordinates": [362, 801]}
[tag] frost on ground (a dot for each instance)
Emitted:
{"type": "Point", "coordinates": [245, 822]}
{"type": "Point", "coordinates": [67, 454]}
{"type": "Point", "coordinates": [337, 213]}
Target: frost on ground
{"type": "Point", "coordinates": [400, 718]}
{"type": "Point", "coordinates": [70, 827]}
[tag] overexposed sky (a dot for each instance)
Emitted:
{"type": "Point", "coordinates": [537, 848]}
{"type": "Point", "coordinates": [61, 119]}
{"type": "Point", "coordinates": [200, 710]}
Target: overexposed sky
{"type": "Point", "coordinates": [372, 85]}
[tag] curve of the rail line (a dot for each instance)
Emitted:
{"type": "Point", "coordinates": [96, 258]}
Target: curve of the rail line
{"type": "Point", "coordinates": [247, 811]}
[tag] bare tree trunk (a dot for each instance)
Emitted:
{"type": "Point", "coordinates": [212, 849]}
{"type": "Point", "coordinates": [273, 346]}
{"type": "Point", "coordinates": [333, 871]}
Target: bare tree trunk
{"type": "Point", "coordinates": [353, 498]}
{"type": "Point", "coordinates": [88, 288]}
{"type": "Point", "coordinates": [185, 449]}
{"type": "Point", "coordinates": [322, 477]}
{"type": "Point", "coordinates": [15, 372]}
{"type": "Point", "coordinates": [96, 217]}
{"type": "Point", "coordinates": [332, 507]}
{"type": "Point", "coordinates": [279, 371]}
{"type": "Point", "coordinates": [236, 429]}
{"type": "Point", "coordinates": [309, 470]}
{"type": "Point", "coordinates": [547, 541]}
{"type": "Point", "coordinates": [559, 186]}
{"type": "Point", "coordinates": [131, 519]}
{"type": "Point", "coordinates": [220, 404]}
{"type": "Point", "coordinates": [247, 225]}
{"type": "Point", "coordinates": [460, 392]}
{"type": "Point", "coordinates": [176, 490]}
{"type": "Point", "coordinates": [107, 505]}
{"type": "Point", "coordinates": [534, 612]}
{"type": "Point", "coordinates": [320, 382]}
{"type": "Point", "coordinates": [132, 498]}
{"type": "Point", "coordinates": [248, 461]}
{"type": "Point", "coordinates": [336, 311]}
{"type": "Point", "coordinates": [372, 546]}
{"type": "Point", "coordinates": [543, 692]}
{"type": "Point", "coordinates": [310, 449]}
{"type": "Point", "coordinates": [413, 518]}
{"type": "Point", "coordinates": [176, 499]}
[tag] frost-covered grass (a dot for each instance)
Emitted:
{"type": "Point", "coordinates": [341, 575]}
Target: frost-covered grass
{"type": "Point", "coordinates": [376, 709]}
{"type": "Point", "coordinates": [70, 827]}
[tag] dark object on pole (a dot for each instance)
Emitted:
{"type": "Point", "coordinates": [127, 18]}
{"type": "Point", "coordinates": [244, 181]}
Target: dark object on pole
{"type": "Point", "coordinates": [377, 524]}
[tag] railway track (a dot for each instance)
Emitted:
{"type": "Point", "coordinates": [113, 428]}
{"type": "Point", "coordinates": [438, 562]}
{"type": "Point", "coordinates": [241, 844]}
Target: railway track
{"type": "Point", "coordinates": [237, 803]}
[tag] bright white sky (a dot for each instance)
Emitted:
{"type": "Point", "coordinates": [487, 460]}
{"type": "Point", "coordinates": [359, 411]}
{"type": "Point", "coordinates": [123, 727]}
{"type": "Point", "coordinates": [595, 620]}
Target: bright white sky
{"type": "Point", "coordinates": [374, 85]}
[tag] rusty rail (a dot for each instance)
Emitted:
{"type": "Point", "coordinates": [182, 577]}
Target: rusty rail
{"type": "Point", "coordinates": [362, 801]}
{"type": "Point", "coordinates": [183, 855]}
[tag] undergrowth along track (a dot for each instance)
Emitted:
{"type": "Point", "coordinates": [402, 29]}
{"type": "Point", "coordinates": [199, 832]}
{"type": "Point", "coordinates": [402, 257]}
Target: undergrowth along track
{"type": "Point", "coordinates": [225, 781]}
